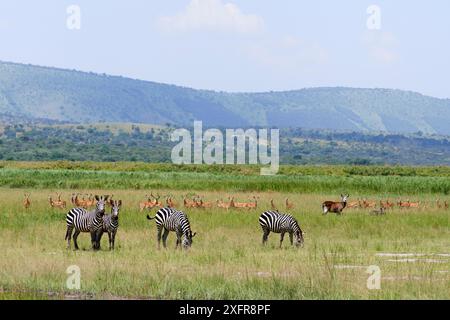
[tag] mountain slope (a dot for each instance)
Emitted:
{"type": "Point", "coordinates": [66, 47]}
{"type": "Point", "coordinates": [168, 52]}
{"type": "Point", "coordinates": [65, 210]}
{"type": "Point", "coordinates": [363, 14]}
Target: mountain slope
{"type": "Point", "coordinates": [32, 92]}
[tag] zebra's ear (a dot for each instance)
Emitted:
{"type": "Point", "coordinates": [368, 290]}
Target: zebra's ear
{"type": "Point", "coordinates": [97, 198]}
{"type": "Point", "coordinates": [120, 203]}
{"type": "Point", "coordinates": [105, 197]}
{"type": "Point", "coordinates": [111, 202]}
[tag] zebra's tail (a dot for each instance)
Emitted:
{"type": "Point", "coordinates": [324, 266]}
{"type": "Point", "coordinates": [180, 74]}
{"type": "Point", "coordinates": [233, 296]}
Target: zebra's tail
{"type": "Point", "coordinates": [149, 218]}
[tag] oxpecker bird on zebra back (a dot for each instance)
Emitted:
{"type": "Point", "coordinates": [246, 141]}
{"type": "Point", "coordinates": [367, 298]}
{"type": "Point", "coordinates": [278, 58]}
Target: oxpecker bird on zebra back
{"type": "Point", "coordinates": [169, 219]}
{"type": "Point", "coordinates": [86, 221]}
{"type": "Point", "coordinates": [110, 224]}
{"type": "Point", "coordinates": [277, 222]}
{"type": "Point", "coordinates": [336, 207]}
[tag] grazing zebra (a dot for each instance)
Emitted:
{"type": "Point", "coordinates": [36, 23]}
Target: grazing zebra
{"type": "Point", "coordinates": [85, 221]}
{"type": "Point", "coordinates": [110, 224]}
{"type": "Point", "coordinates": [280, 223]}
{"type": "Point", "coordinates": [171, 219]}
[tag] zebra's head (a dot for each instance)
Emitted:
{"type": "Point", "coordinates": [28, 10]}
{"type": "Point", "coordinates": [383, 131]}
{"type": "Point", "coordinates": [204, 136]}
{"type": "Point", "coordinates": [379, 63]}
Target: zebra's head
{"type": "Point", "coordinates": [299, 241]}
{"type": "Point", "coordinates": [101, 204]}
{"type": "Point", "coordinates": [115, 208]}
{"type": "Point", "coordinates": [187, 239]}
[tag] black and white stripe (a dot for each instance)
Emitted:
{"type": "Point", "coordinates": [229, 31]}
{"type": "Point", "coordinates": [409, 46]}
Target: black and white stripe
{"type": "Point", "coordinates": [169, 219]}
{"type": "Point", "coordinates": [85, 221]}
{"type": "Point", "coordinates": [110, 224]}
{"type": "Point", "coordinates": [274, 221]}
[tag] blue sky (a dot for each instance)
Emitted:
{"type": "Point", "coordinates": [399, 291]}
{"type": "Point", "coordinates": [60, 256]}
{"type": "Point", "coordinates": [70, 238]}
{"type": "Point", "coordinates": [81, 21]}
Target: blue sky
{"type": "Point", "coordinates": [251, 45]}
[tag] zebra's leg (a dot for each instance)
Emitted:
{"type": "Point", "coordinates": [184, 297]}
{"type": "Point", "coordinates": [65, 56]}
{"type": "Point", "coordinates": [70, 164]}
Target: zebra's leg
{"type": "Point", "coordinates": [110, 238]}
{"type": "Point", "coordinates": [69, 236]}
{"type": "Point", "coordinates": [114, 238]}
{"type": "Point", "coordinates": [265, 236]}
{"type": "Point", "coordinates": [291, 238]}
{"type": "Point", "coordinates": [164, 237]}
{"type": "Point", "coordinates": [281, 238]}
{"type": "Point", "coordinates": [75, 236]}
{"type": "Point", "coordinates": [158, 237]}
{"type": "Point", "coordinates": [178, 240]}
{"type": "Point", "coordinates": [95, 241]}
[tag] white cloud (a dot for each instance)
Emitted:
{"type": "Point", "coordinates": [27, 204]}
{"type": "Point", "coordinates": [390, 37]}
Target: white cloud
{"type": "Point", "coordinates": [212, 15]}
{"type": "Point", "coordinates": [381, 46]}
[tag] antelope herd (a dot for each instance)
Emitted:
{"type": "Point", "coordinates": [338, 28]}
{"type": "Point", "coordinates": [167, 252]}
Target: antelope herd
{"type": "Point", "coordinates": [151, 201]}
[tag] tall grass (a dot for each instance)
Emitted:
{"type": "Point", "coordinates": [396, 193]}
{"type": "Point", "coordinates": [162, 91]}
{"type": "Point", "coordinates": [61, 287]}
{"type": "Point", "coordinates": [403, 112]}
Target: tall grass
{"type": "Point", "coordinates": [223, 181]}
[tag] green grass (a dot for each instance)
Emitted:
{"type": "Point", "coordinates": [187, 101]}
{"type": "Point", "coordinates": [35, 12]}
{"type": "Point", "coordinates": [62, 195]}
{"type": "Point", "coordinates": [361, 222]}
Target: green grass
{"type": "Point", "coordinates": [227, 260]}
{"type": "Point", "coordinates": [304, 179]}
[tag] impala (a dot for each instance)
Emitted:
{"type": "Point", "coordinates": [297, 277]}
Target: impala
{"type": "Point", "coordinates": [223, 205]}
{"type": "Point", "coordinates": [289, 205]}
{"type": "Point", "coordinates": [26, 201]}
{"type": "Point", "coordinates": [252, 205]}
{"type": "Point", "coordinates": [57, 203]}
{"type": "Point", "coordinates": [272, 205]}
{"type": "Point", "coordinates": [237, 204]}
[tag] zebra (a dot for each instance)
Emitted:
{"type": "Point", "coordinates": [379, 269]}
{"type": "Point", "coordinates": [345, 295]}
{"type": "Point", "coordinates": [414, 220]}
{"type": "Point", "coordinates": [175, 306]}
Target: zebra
{"type": "Point", "coordinates": [171, 219]}
{"type": "Point", "coordinates": [85, 221]}
{"type": "Point", "coordinates": [280, 223]}
{"type": "Point", "coordinates": [110, 224]}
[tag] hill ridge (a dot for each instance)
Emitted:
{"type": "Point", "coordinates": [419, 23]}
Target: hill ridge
{"type": "Point", "coordinates": [64, 95]}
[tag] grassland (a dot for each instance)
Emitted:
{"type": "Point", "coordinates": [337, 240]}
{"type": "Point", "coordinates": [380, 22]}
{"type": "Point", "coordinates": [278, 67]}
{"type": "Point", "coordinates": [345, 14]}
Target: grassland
{"type": "Point", "coordinates": [305, 179]}
{"type": "Point", "coordinates": [227, 259]}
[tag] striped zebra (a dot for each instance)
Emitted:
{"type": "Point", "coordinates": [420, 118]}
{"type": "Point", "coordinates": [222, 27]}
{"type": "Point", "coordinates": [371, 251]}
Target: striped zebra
{"type": "Point", "coordinates": [110, 224]}
{"type": "Point", "coordinates": [171, 219]}
{"type": "Point", "coordinates": [280, 223]}
{"type": "Point", "coordinates": [86, 221]}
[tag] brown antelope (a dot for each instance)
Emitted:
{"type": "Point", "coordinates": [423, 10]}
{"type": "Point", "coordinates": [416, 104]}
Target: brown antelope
{"type": "Point", "coordinates": [72, 199]}
{"type": "Point", "coordinates": [413, 204]}
{"type": "Point", "coordinates": [336, 207]}
{"type": "Point", "coordinates": [446, 206]}
{"type": "Point", "coordinates": [369, 204]}
{"type": "Point", "coordinates": [79, 203]}
{"type": "Point", "coordinates": [149, 204]}
{"type": "Point", "coordinates": [252, 205]}
{"type": "Point", "coordinates": [289, 205]}
{"type": "Point", "coordinates": [188, 203]}
{"type": "Point", "coordinates": [90, 202]}
{"type": "Point", "coordinates": [57, 203]}
{"type": "Point", "coordinates": [26, 201]}
{"type": "Point", "coordinates": [170, 203]}
{"type": "Point", "coordinates": [383, 205]}
{"type": "Point", "coordinates": [389, 205]}
{"type": "Point", "coordinates": [196, 202]}
{"type": "Point", "coordinates": [223, 205]}
{"type": "Point", "coordinates": [438, 204]}
{"type": "Point", "coordinates": [273, 206]}
{"type": "Point", "coordinates": [403, 204]}
{"type": "Point", "coordinates": [203, 205]}
{"type": "Point", "coordinates": [237, 205]}
{"type": "Point", "coordinates": [354, 204]}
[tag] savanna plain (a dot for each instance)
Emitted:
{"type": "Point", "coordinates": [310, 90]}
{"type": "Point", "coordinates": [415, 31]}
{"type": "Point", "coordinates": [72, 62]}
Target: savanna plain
{"type": "Point", "coordinates": [410, 246]}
